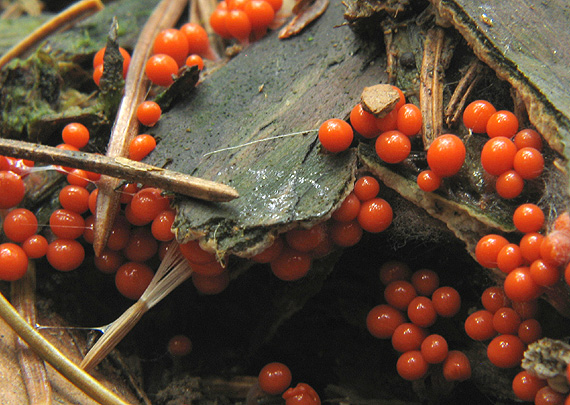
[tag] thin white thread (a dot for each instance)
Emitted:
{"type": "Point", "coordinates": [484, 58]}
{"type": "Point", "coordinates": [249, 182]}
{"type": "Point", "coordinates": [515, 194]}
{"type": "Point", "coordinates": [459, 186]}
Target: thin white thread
{"type": "Point", "coordinates": [259, 141]}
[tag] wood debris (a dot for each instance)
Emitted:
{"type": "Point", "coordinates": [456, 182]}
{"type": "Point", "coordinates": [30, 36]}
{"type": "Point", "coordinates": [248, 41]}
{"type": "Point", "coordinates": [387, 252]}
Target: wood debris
{"type": "Point", "coordinates": [379, 100]}
{"type": "Point", "coordinates": [306, 12]}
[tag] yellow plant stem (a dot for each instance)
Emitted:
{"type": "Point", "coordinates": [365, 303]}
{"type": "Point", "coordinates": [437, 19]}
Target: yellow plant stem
{"type": "Point", "coordinates": [50, 354]}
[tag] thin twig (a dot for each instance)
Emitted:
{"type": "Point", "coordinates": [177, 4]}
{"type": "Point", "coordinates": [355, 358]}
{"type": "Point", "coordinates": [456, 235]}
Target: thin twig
{"type": "Point", "coordinates": [126, 125]}
{"type": "Point", "coordinates": [75, 12]}
{"type": "Point", "coordinates": [462, 92]}
{"type": "Point", "coordinates": [32, 367]}
{"type": "Point", "coordinates": [121, 168]}
{"type": "Point", "coordinates": [49, 353]}
{"type": "Point", "coordinates": [173, 270]}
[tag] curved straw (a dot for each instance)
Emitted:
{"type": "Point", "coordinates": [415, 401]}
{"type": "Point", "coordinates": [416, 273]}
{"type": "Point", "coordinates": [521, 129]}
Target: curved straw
{"type": "Point", "coordinates": [76, 11]}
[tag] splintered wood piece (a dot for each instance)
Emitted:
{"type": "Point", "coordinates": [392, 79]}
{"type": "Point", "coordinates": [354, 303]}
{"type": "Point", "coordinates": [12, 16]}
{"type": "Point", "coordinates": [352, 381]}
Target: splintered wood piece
{"type": "Point", "coordinates": [462, 92]}
{"type": "Point", "coordinates": [431, 84]}
{"type": "Point", "coordinates": [379, 100]}
{"type": "Point", "coordinates": [121, 168]}
{"type": "Point", "coordinates": [165, 15]}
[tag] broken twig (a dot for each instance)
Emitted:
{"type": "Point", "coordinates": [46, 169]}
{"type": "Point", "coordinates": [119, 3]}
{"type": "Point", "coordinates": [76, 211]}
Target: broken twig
{"type": "Point", "coordinates": [462, 92]}
{"type": "Point", "coordinates": [121, 168]}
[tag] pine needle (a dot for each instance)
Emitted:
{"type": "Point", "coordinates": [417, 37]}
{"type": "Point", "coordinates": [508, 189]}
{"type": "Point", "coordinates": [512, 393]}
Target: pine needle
{"type": "Point", "coordinates": [173, 270]}
{"type": "Point", "coordinates": [49, 353]}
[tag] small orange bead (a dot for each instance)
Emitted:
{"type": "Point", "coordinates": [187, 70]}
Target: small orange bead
{"type": "Point", "coordinates": [160, 69]}
{"type": "Point", "coordinates": [428, 181]}
{"type": "Point", "coordinates": [173, 43]}
{"type": "Point", "coordinates": [348, 210]}
{"type": "Point", "coordinates": [363, 122]}
{"type": "Point", "coordinates": [375, 215]}
{"type": "Point", "coordinates": [456, 366]}
{"type": "Point", "coordinates": [529, 163]}
{"type": "Point", "coordinates": [502, 123]}
{"type": "Point", "coordinates": [528, 138]}
{"type": "Point", "coordinates": [148, 113]}
{"type": "Point", "coordinates": [195, 60]}
{"type": "Point", "coordinates": [366, 188]}
{"type": "Point", "coordinates": [409, 120]}
{"type": "Point", "coordinates": [179, 345]}
{"type": "Point", "coordinates": [509, 258]}
{"type": "Point", "coordinates": [393, 146]}
{"type": "Point", "coordinates": [488, 249]}
{"type": "Point", "coordinates": [519, 285]}
{"type": "Point", "coordinates": [497, 155]}
{"type": "Point", "coordinates": [509, 184]}
{"type": "Point", "coordinates": [346, 234]}
{"type": "Point", "coordinates": [446, 155]}
{"type": "Point", "coordinates": [555, 248]}
{"type": "Point", "coordinates": [394, 270]}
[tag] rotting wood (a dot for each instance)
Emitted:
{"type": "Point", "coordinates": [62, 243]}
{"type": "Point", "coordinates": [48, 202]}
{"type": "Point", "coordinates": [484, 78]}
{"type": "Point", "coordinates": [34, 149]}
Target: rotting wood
{"type": "Point", "coordinates": [122, 169]}
{"type": "Point", "coordinates": [462, 92]}
{"type": "Point", "coordinates": [126, 125]}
